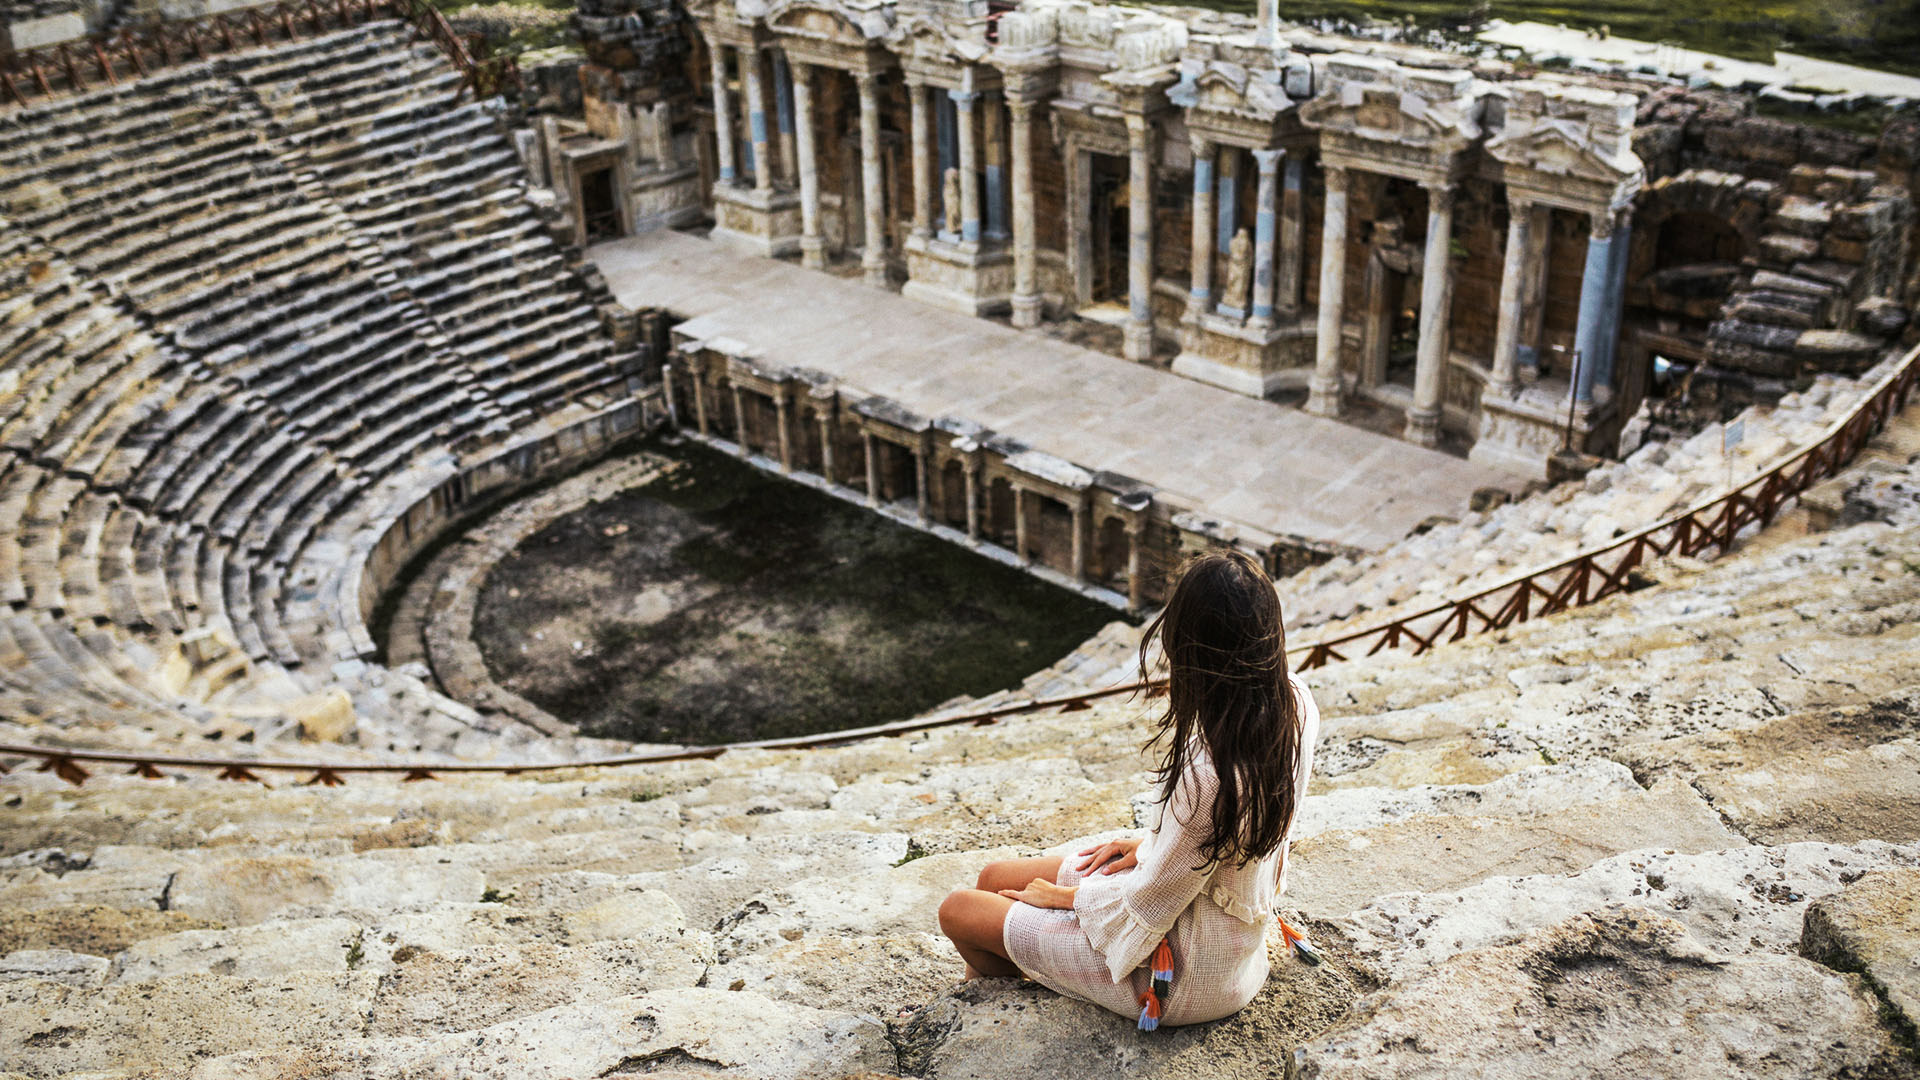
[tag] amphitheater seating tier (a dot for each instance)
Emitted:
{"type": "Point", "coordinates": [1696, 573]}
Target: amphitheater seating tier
{"type": "Point", "coordinates": [236, 298]}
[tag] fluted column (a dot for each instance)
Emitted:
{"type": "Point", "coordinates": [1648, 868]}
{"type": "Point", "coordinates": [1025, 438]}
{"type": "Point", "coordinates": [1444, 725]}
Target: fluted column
{"type": "Point", "coordinates": [1019, 523]}
{"type": "Point", "coordinates": [1533, 305]}
{"type": "Point", "coordinates": [969, 162]}
{"type": "Point", "coordinates": [782, 406]}
{"type": "Point", "coordinates": [813, 246]}
{"type": "Point", "coordinates": [1138, 341]}
{"type": "Point", "coordinates": [1136, 578]}
{"type": "Point", "coordinates": [699, 380]}
{"type": "Point", "coordinates": [750, 87]}
{"type": "Point", "coordinates": [740, 421]}
{"type": "Point", "coordinates": [1266, 217]}
{"type": "Point", "coordinates": [1513, 273]}
{"type": "Point", "coordinates": [1079, 558]}
{"type": "Point", "coordinates": [1026, 289]}
{"type": "Point", "coordinates": [922, 136]}
{"type": "Point", "coordinates": [922, 496]}
{"type": "Point", "coordinates": [723, 117]}
{"type": "Point", "coordinates": [874, 262]}
{"type": "Point", "coordinates": [1430, 365]}
{"type": "Point", "coordinates": [972, 469]}
{"type": "Point", "coordinates": [825, 416]}
{"type": "Point", "coordinates": [1200, 295]}
{"type": "Point", "coordinates": [1594, 298]}
{"type": "Point", "coordinates": [1323, 390]}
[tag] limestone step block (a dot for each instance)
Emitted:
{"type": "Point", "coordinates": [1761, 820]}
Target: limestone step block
{"type": "Point", "coordinates": [264, 952]}
{"type": "Point", "coordinates": [681, 1032]}
{"type": "Point", "coordinates": [1004, 1027]}
{"type": "Point", "coordinates": [1873, 927]}
{"type": "Point", "coordinates": [898, 900]}
{"type": "Point", "coordinates": [235, 892]}
{"type": "Point", "coordinates": [1830, 774]}
{"type": "Point", "coordinates": [1617, 993]}
{"type": "Point", "coordinates": [93, 929]}
{"type": "Point", "coordinates": [873, 975]}
{"type": "Point", "coordinates": [1736, 901]}
{"type": "Point", "coordinates": [54, 965]}
{"type": "Point", "coordinates": [1534, 790]}
{"type": "Point", "coordinates": [1340, 870]}
{"type": "Point", "coordinates": [51, 1029]}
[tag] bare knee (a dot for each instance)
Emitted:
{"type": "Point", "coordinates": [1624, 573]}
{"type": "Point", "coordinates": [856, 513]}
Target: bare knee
{"type": "Point", "coordinates": [990, 879]}
{"type": "Point", "coordinates": [953, 912]}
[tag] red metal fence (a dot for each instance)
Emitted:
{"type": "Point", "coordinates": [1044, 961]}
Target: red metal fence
{"type": "Point", "coordinates": [1711, 527]}
{"type": "Point", "coordinates": [135, 51]}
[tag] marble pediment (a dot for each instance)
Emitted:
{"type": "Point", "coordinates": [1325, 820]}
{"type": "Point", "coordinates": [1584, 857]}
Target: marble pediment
{"type": "Point", "coordinates": [1230, 89]}
{"type": "Point", "coordinates": [927, 38]}
{"type": "Point", "coordinates": [1391, 115]}
{"type": "Point", "coordinates": [850, 24]}
{"type": "Point", "coordinates": [1562, 148]}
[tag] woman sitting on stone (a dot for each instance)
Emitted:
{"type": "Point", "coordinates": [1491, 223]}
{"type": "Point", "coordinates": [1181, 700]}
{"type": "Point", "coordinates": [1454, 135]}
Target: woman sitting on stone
{"type": "Point", "coordinates": [1171, 926]}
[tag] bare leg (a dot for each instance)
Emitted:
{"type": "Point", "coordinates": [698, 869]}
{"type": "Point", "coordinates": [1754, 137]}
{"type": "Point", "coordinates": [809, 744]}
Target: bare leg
{"type": "Point", "coordinates": [975, 919]}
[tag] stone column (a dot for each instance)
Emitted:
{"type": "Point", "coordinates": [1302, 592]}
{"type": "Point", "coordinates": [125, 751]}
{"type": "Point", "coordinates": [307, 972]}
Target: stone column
{"type": "Point", "coordinates": [1136, 580]}
{"type": "Point", "coordinates": [1595, 315]}
{"type": "Point", "coordinates": [826, 445]}
{"type": "Point", "coordinates": [1080, 538]}
{"type": "Point", "coordinates": [723, 117]}
{"type": "Point", "coordinates": [969, 156]}
{"type": "Point", "coordinates": [783, 108]}
{"type": "Point", "coordinates": [739, 420]}
{"type": "Point", "coordinates": [995, 134]}
{"type": "Point", "coordinates": [1533, 301]}
{"type": "Point", "coordinates": [782, 405]}
{"type": "Point", "coordinates": [1229, 193]}
{"type": "Point", "coordinates": [1200, 296]}
{"type": "Point", "coordinates": [1138, 342]}
{"type": "Point", "coordinates": [666, 394]}
{"type": "Point", "coordinates": [921, 494]}
{"type": "Point", "coordinates": [1323, 389]}
{"type": "Point", "coordinates": [813, 246]}
{"type": "Point", "coordinates": [922, 136]}
{"type": "Point", "coordinates": [874, 262]}
{"type": "Point", "coordinates": [972, 469]}
{"type": "Point", "coordinates": [873, 468]}
{"type": "Point", "coordinates": [1423, 420]}
{"type": "Point", "coordinates": [1019, 523]}
{"type": "Point", "coordinates": [1026, 289]}
{"type": "Point", "coordinates": [1506, 342]}
{"type": "Point", "coordinates": [1616, 301]}
{"type": "Point", "coordinates": [1293, 232]}
{"type": "Point", "coordinates": [750, 61]}
{"type": "Point", "coordinates": [1266, 218]}
{"type": "Point", "coordinates": [698, 379]}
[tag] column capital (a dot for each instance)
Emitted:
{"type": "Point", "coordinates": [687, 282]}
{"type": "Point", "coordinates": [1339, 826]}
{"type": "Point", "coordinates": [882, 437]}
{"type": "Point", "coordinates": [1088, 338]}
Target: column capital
{"type": "Point", "coordinates": [1603, 222]}
{"type": "Point", "coordinates": [1201, 146]}
{"type": "Point", "coordinates": [963, 98]}
{"type": "Point", "coordinates": [1268, 160]}
{"type": "Point", "coordinates": [868, 81]}
{"type": "Point", "coordinates": [1439, 195]}
{"type": "Point", "coordinates": [1137, 129]}
{"type": "Point", "coordinates": [1335, 175]}
{"type": "Point", "coordinates": [1021, 107]}
{"type": "Point", "coordinates": [1520, 203]}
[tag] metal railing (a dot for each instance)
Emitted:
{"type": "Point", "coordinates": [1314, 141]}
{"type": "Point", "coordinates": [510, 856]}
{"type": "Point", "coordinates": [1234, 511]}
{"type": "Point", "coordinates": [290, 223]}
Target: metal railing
{"type": "Point", "coordinates": [134, 51]}
{"type": "Point", "coordinates": [1592, 575]}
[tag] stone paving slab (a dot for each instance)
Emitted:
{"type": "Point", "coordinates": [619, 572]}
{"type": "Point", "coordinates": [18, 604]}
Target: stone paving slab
{"type": "Point", "coordinates": [1268, 466]}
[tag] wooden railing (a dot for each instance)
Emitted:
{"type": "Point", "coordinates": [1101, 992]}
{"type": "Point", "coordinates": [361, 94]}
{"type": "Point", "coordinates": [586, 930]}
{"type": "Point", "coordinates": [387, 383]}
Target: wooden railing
{"type": "Point", "coordinates": [134, 51]}
{"type": "Point", "coordinates": [1709, 528]}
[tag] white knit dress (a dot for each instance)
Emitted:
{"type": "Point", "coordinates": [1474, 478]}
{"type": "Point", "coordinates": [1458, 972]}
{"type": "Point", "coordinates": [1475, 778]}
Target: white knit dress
{"type": "Point", "coordinates": [1215, 919]}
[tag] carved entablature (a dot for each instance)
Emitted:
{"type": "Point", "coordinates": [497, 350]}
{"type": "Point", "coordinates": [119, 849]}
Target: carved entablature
{"type": "Point", "coordinates": [1380, 116]}
{"type": "Point", "coordinates": [923, 41]}
{"type": "Point", "coordinates": [1238, 93]}
{"type": "Point", "coordinates": [1568, 145]}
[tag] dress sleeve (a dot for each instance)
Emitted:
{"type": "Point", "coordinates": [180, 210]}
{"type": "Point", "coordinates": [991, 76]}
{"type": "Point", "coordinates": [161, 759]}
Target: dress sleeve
{"type": "Point", "coordinates": [1125, 915]}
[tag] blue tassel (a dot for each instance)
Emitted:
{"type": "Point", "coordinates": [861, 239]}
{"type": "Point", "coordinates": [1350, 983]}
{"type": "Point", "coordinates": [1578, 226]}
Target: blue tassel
{"type": "Point", "coordinates": [1148, 1022]}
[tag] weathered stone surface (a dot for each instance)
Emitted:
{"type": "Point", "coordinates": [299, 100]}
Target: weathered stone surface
{"type": "Point", "coordinates": [1617, 993]}
{"type": "Point", "coordinates": [238, 891]}
{"type": "Point", "coordinates": [1873, 927]}
{"type": "Point", "coordinates": [88, 928]}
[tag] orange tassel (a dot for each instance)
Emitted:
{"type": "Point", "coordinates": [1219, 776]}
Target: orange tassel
{"type": "Point", "coordinates": [1149, 1010]}
{"type": "Point", "coordinates": [1163, 961]}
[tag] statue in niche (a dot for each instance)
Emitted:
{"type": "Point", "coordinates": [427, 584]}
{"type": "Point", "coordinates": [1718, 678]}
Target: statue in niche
{"type": "Point", "coordinates": [950, 198]}
{"type": "Point", "coordinates": [1239, 271]}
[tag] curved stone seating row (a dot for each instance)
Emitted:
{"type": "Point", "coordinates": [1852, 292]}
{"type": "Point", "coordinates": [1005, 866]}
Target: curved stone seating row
{"type": "Point", "coordinates": [213, 354]}
{"type": "Point", "coordinates": [1660, 791]}
{"type": "Point", "coordinates": [1455, 558]}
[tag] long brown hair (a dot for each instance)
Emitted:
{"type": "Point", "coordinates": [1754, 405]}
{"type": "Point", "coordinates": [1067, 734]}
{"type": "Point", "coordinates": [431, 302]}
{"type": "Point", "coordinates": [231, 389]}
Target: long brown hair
{"type": "Point", "coordinates": [1226, 654]}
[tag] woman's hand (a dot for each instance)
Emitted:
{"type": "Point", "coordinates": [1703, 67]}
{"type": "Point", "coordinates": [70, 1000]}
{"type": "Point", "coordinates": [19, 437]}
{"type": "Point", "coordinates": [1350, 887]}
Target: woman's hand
{"type": "Point", "coordinates": [1111, 857]}
{"type": "Point", "coordinates": [1042, 893]}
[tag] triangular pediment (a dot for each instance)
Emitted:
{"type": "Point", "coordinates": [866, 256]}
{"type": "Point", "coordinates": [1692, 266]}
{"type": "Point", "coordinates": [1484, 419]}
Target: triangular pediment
{"type": "Point", "coordinates": [1560, 148]}
{"type": "Point", "coordinates": [1379, 115]}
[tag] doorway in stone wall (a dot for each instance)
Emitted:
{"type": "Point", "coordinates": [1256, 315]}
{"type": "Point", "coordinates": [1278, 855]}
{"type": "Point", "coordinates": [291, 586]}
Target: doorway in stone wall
{"type": "Point", "coordinates": [1108, 226]}
{"type": "Point", "coordinates": [598, 207]}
